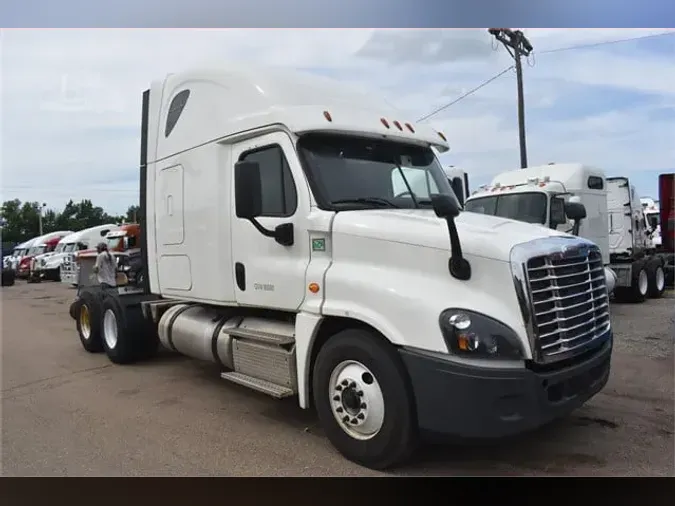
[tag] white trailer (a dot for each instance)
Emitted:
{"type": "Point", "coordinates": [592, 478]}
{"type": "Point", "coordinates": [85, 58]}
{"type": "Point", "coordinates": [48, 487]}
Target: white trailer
{"type": "Point", "coordinates": [540, 195]}
{"type": "Point", "coordinates": [284, 242]}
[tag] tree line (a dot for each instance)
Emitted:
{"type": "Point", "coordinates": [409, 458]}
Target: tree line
{"type": "Point", "coordinates": [20, 221]}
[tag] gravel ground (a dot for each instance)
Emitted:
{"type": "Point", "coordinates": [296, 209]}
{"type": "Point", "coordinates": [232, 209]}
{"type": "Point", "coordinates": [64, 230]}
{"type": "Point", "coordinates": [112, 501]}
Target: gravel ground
{"type": "Point", "coordinates": [67, 412]}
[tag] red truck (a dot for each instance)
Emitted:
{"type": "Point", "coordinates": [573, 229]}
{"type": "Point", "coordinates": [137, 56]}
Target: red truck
{"type": "Point", "coordinates": [667, 218]}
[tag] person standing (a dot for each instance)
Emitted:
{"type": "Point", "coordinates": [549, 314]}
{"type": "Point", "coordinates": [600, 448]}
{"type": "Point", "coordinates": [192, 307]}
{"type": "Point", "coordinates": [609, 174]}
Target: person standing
{"type": "Point", "coordinates": [105, 267]}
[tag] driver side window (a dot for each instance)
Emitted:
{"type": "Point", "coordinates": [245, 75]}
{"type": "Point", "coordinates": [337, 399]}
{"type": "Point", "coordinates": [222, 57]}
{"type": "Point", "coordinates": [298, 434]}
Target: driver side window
{"type": "Point", "coordinates": [557, 212]}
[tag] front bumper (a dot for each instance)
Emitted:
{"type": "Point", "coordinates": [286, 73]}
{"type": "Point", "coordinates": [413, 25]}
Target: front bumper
{"type": "Point", "coordinates": [457, 400]}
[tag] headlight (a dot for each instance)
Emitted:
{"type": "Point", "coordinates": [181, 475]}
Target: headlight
{"type": "Point", "coordinates": [476, 335]}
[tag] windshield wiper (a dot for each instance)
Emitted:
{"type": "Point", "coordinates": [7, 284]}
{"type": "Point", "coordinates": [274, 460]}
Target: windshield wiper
{"type": "Point", "coordinates": [368, 200]}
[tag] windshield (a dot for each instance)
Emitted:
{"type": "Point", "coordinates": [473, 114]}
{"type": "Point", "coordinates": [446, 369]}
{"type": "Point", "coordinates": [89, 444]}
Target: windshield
{"type": "Point", "coordinates": [69, 247]}
{"type": "Point", "coordinates": [653, 220]}
{"type": "Point", "coordinates": [527, 207]}
{"type": "Point", "coordinates": [36, 250]}
{"type": "Point", "coordinates": [115, 243]}
{"type": "Point", "coordinates": [349, 172]}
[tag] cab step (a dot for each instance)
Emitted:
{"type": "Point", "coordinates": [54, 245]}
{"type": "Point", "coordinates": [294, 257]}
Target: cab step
{"type": "Point", "coordinates": [261, 336]}
{"type": "Point", "coordinates": [266, 387]}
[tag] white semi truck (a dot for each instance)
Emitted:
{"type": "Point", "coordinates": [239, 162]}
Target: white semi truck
{"type": "Point", "coordinates": [613, 219]}
{"type": "Point", "coordinates": [279, 246]}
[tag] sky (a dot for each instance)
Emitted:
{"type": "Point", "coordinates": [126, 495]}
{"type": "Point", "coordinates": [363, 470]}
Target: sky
{"type": "Point", "coordinates": [70, 99]}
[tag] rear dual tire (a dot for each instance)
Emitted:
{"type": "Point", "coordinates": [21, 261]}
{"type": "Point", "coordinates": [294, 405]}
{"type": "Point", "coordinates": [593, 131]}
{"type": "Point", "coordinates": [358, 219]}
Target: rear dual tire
{"type": "Point", "coordinates": [657, 277]}
{"type": "Point", "coordinates": [104, 324]}
{"type": "Point", "coordinates": [127, 335]}
{"type": "Point", "coordinates": [638, 290]}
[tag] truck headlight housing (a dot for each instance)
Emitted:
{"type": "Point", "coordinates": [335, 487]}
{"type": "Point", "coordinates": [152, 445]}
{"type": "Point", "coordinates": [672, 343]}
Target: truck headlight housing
{"type": "Point", "coordinates": [474, 335]}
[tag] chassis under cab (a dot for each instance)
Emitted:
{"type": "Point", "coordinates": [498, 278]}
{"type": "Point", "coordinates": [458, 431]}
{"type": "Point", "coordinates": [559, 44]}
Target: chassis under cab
{"type": "Point", "coordinates": [320, 253]}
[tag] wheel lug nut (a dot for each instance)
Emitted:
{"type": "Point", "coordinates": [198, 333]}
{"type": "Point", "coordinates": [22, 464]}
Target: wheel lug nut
{"type": "Point", "coordinates": [360, 393]}
{"type": "Point", "coordinates": [353, 384]}
{"type": "Point", "coordinates": [345, 419]}
{"type": "Point", "coordinates": [339, 410]}
{"type": "Point", "coordinates": [336, 398]}
{"type": "Point", "coordinates": [363, 405]}
{"type": "Point", "coordinates": [354, 421]}
{"type": "Point", "coordinates": [345, 382]}
{"type": "Point", "coordinates": [338, 388]}
{"type": "Point", "coordinates": [360, 416]}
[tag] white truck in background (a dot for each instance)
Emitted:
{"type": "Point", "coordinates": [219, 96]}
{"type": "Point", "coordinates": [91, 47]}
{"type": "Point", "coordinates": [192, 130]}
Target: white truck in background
{"type": "Point", "coordinates": [48, 266]}
{"type": "Point", "coordinates": [652, 213]}
{"type": "Point", "coordinates": [612, 218]}
{"type": "Point", "coordinates": [284, 243]}
{"type": "Point", "coordinates": [83, 240]}
{"type": "Point", "coordinates": [459, 181]}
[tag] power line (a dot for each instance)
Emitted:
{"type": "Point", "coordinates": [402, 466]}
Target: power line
{"type": "Point", "coordinates": [568, 48]}
{"type": "Point", "coordinates": [470, 92]}
{"type": "Point", "coordinates": [606, 42]}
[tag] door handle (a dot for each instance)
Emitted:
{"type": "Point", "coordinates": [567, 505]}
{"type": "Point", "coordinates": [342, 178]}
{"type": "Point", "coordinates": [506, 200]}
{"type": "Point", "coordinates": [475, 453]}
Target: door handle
{"type": "Point", "coordinates": [240, 276]}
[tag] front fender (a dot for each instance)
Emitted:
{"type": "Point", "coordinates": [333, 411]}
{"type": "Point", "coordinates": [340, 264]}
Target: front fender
{"type": "Point", "coordinates": [400, 290]}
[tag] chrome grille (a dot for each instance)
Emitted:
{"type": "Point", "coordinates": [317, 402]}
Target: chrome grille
{"type": "Point", "coordinates": [570, 301]}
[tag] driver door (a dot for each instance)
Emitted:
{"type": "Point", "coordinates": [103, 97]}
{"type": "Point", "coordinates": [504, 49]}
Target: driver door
{"type": "Point", "coordinates": [268, 274]}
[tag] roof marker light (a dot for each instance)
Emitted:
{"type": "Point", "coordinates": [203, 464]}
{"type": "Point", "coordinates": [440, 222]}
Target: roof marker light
{"type": "Point", "coordinates": [440, 134]}
{"type": "Point", "coordinates": [409, 127]}
{"type": "Point", "coordinates": [327, 115]}
{"type": "Point", "coordinates": [384, 122]}
{"type": "Point", "coordinates": [398, 125]}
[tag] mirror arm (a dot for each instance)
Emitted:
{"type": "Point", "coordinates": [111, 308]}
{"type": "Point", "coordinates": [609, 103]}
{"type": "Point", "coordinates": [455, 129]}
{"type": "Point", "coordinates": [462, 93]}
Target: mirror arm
{"type": "Point", "coordinates": [261, 229]}
{"type": "Point", "coordinates": [458, 266]}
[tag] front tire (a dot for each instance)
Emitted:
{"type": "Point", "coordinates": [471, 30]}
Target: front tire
{"type": "Point", "coordinates": [657, 278]}
{"type": "Point", "coordinates": [364, 399]}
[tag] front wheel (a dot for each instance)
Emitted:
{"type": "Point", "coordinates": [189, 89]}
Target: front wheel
{"type": "Point", "coordinates": [364, 400]}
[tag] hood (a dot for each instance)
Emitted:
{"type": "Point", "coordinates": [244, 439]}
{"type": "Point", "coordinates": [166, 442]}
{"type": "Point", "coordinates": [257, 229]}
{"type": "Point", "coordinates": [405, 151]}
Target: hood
{"type": "Point", "coordinates": [480, 235]}
{"type": "Point", "coordinates": [44, 255]}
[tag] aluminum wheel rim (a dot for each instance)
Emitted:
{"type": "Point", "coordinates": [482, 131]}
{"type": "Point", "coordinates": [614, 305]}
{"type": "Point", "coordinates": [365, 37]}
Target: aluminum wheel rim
{"type": "Point", "coordinates": [356, 400]}
{"type": "Point", "coordinates": [643, 282]}
{"type": "Point", "coordinates": [110, 329]}
{"type": "Point", "coordinates": [85, 325]}
{"type": "Point", "coordinates": [660, 278]}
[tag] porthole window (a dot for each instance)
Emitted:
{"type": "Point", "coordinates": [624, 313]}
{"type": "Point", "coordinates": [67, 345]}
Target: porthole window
{"type": "Point", "coordinates": [175, 109]}
{"type": "Point", "coordinates": [595, 183]}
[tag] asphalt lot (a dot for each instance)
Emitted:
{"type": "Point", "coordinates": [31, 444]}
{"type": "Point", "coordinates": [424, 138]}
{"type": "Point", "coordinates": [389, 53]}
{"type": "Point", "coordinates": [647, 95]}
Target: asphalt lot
{"type": "Point", "coordinates": [67, 412]}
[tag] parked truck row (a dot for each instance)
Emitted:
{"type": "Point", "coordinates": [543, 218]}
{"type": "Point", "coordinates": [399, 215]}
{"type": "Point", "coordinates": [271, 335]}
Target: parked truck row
{"type": "Point", "coordinates": [614, 219]}
{"type": "Point", "coordinates": [55, 256]}
{"type": "Point", "coordinates": [305, 239]}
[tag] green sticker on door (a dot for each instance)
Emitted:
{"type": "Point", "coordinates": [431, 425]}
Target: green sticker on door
{"type": "Point", "coordinates": [318, 244]}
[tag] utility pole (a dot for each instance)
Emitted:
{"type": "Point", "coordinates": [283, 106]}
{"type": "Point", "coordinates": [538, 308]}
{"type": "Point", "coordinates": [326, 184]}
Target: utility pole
{"type": "Point", "coordinates": [39, 210]}
{"type": "Point", "coordinates": [517, 45]}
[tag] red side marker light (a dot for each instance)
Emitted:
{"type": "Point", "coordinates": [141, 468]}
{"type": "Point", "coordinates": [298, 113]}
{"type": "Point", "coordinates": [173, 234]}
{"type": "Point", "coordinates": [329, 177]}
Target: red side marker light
{"type": "Point", "coordinates": [327, 115]}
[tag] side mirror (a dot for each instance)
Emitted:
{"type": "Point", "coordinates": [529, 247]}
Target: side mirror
{"type": "Point", "coordinates": [445, 206]}
{"type": "Point", "coordinates": [247, 190]}
{"type": "Point", "coordinates": [575, 211]}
